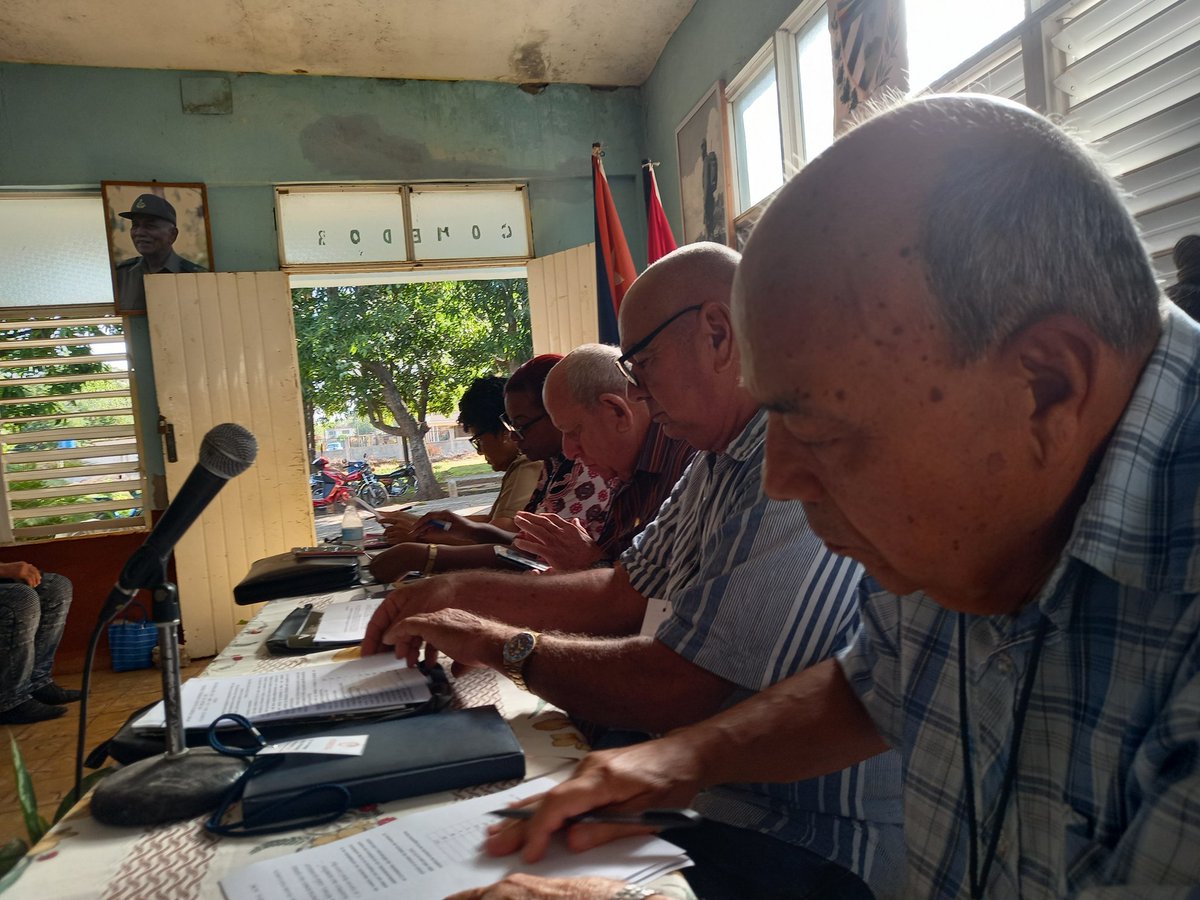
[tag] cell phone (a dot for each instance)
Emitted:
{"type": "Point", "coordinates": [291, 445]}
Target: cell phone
{"type": "Point", "coordinates": [327, 550]}
{"type": "Point", "coordinates": [517, 558]}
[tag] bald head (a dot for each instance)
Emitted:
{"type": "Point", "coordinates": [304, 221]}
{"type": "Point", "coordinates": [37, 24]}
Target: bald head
{"type": "Point", "coordinates": [1001, 216]}
{"type": "Point", "coordinates": [695, 273]}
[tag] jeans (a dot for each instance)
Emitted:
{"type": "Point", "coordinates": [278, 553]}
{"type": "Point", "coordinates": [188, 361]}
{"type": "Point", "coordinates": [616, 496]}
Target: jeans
{"type": "Point", "coordinates": [738, 863]}
{"type": "Point", "coordinates": [31, 625]}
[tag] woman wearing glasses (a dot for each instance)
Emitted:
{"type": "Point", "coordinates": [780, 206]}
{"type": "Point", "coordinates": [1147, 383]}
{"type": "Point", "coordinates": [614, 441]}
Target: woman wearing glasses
{"type": "Point", "coordinates": [509, 426]}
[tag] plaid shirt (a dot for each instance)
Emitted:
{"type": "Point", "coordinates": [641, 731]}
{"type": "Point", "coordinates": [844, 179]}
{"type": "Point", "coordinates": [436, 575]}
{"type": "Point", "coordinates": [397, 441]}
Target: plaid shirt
{"type": "Point", "coordinates": [1107, 787]}
{"type": "Point", "coordinates": [755, 598]}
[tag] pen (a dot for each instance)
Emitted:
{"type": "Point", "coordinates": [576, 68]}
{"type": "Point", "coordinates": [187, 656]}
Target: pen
{"type": "Point", "coordinates": [651, 818]}
{"type": "Point", "coordinates": [440, 524]}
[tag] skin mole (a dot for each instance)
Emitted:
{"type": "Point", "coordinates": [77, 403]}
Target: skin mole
{"type": "Point", "coordinates": [935, 394]}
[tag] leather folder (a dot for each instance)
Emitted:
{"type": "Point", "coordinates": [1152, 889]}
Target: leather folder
{"type": "Point", "coordinates": [283, 575]}
{"type": "Point", "coordinates": [403, 758]}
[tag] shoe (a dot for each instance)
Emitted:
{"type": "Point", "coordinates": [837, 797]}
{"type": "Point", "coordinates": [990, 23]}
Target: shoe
{"type": "Point", "coordinates": [54, 694]}
{"type": "Point", "coordinates": [30, 711]}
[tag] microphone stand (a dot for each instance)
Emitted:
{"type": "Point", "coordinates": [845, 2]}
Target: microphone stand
{"type": "Point", "coordinates": [183, 781]}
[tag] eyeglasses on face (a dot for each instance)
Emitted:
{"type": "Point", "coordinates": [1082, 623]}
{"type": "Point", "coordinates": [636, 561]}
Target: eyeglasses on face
{"type": "Point", "coordinates": [518, 431]}
{"type": "Point", "coordinates": [625, 362]}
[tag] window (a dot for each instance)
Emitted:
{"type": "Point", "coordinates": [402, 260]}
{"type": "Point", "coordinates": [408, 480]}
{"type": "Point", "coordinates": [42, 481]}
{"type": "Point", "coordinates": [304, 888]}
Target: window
{"type": "Point", "coordinates": [756, 135]}
{"type": "Point", "coordinates": [782, 106]}
{"type": "Point", "coordinates": [815, 74]}
{"type": "Point", "coordinates": [69, 461]}
{"type": "Point", "coordinates": [942, 34]}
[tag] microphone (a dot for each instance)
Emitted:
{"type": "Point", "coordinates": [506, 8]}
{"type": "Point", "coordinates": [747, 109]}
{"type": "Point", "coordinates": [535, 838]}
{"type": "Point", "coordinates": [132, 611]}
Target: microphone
{"type": "Point", "coordinates": [227, 450]}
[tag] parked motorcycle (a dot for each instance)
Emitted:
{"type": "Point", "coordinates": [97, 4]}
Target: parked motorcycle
{"type": "Point", "coordinates": [400, 482]}
{"type": "Point", "coordinates": [369, 487]}
{"type": "Point", "coordinates": [329, 488]}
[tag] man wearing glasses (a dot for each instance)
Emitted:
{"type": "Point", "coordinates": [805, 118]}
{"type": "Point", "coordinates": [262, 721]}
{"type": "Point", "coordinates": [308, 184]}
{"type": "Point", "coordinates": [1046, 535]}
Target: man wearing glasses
{"type": "Point", "coordinates": [751, 595]}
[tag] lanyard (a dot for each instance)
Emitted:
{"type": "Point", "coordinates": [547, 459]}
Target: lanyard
{"type": "Point", "coordinates": [979, 876]}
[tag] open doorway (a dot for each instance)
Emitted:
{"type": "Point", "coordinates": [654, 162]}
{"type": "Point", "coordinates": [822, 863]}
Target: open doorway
{"type": "Point", "coordinates": [384, 359]}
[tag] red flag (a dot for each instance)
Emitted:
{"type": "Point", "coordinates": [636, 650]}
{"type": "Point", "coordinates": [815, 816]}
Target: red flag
{"type": "Point", "coordinates": [614, 265]}
{"type": "Point", "coordinates": [660, 241]}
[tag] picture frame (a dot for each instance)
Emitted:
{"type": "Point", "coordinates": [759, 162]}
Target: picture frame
{"type": "Point", "coordinates": [702, 151]}
{"type": "Point", "coordinates": [182, 246]}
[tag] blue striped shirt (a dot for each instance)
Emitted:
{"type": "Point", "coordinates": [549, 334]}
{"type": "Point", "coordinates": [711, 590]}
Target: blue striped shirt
{"type": "Point", "coordinates": [755, 598]}
{"type": "Point", "coordinates": [1107, 789]}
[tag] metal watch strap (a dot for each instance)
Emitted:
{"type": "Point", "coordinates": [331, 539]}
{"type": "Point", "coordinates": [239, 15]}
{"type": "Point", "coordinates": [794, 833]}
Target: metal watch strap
{"type": "Point", "coordinates": [630, 892]}
{"type": "Point", "coordinates": [515, 669]}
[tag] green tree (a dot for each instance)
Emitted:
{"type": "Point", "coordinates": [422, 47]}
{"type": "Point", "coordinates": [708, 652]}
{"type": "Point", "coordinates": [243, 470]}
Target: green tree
{"type": "Point", "coordinates": [396, 353]}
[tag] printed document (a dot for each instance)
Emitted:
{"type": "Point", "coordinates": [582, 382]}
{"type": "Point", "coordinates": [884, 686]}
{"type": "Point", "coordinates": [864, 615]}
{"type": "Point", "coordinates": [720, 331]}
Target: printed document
{"type": "Point", "coordinates": [427, 854]}
{"type": "Point", "coordinates": [361, 685]}
{"type": "Point", "coordinates": [342, 622]}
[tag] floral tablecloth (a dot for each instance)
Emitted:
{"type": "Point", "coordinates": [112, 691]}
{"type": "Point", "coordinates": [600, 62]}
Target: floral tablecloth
{"type": "Point", "coordinates": [81, 858]}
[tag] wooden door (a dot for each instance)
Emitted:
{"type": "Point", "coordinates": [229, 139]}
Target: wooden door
{"type": "Point", "coordinates": [224, 350]}
{"type": "Point", "coordinates": [562, 300]}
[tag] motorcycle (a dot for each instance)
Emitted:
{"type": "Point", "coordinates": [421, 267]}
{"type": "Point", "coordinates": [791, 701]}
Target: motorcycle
{"type": "Point", "coordinates": [400, 482]}
{"type": "Point", "coordinates": [370, 488]}
{"type": "Point", "coordinates": [329, 489]}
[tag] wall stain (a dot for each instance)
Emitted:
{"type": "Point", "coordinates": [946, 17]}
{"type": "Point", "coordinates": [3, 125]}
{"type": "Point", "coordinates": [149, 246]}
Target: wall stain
{"type": "Point", "coordinates": [529, 62]}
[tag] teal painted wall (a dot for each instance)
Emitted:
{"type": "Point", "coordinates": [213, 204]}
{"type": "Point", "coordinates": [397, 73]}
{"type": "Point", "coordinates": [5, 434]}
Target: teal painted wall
{"type": "Point", "coordinates": [62, 125]}
{"type": "Point", "coordinates": [66, 125]}
{"type": "Point", "coordinates": [714, 42]}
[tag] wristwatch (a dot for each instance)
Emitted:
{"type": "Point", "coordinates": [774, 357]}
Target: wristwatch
{"type": "Point", "coordinates": [517, 650]}
{"type": "Point", "coordinates": [630, 892]}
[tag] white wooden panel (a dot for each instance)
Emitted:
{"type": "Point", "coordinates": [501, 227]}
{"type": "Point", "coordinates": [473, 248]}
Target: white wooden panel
{"type": "Point", "coordinates": [562, 300]}
{"type": "Point", "coordinates": [224, 349]}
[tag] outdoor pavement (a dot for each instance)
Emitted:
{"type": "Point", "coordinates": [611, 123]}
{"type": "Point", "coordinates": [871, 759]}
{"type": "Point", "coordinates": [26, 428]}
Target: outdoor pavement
{"type": "Point", "coordinates": [329, 525]}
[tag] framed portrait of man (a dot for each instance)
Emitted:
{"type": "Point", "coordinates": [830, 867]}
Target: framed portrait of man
{"type": "Point", "coordinates": [702, 145]}
{"type": "Point", "coordinates": [153, 228]}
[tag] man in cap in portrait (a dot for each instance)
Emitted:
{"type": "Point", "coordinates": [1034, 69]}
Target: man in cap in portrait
{"type": "Point", "coordinates": [153, 232]}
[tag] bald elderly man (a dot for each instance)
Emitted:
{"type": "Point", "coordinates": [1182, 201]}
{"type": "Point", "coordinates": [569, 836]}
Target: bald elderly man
{"type": "Point", "coordinates": [975, 390]}
{"type": "Point", "coordinates": [752, 594]}
{"type": "Point", "coordinates": [601, 427]}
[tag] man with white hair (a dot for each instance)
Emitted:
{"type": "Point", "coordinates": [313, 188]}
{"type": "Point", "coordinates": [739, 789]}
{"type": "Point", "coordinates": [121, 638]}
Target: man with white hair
{"type": "Point", "coordinates": [601, 427]}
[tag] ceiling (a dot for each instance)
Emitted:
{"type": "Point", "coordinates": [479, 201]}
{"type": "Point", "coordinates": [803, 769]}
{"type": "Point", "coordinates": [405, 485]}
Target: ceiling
{"type": "Point", "coordinates": [597, 42]}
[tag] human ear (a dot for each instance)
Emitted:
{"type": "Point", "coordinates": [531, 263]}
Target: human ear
{"type": "Point", "coordinates": [618, 406]}
{"type": "Point", "coordinates": [717, 328]}
{"type": "Point", "coordinates": [1057, 359]}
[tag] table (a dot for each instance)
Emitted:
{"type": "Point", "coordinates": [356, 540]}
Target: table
{"type": "Point", "coordinates": [82, 858]}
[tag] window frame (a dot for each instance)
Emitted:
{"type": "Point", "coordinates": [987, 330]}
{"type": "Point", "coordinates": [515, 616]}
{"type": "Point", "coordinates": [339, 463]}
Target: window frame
{"type": "Point", "coordinates": [90, 313]}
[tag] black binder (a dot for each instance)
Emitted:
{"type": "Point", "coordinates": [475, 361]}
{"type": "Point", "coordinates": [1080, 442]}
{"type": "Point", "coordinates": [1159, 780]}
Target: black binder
{"type": "Point", "coordinates": [403, 758]}
{"type": "Point", "coordinates": [283, 575]}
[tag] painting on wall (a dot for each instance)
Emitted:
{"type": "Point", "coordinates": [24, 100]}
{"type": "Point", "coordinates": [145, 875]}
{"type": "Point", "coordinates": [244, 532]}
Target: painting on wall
{"type": "Point", "coordinates": [702, 143]}
{"type": "Point", "coordinates": [153, 227]}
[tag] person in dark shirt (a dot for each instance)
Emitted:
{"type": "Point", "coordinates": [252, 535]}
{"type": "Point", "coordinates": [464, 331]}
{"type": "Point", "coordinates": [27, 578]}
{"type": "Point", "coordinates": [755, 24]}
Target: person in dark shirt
{"type": "Point", "coordinates": [153, 232]}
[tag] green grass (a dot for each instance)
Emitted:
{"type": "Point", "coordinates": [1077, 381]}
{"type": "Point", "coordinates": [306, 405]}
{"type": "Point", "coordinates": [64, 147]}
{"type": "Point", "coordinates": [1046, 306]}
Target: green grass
{"type": "Point", "coordinates": [457, 468]}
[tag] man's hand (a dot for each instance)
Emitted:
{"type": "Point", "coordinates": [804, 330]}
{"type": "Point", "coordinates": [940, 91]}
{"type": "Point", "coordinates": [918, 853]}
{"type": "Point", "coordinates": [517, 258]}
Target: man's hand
{"type": "Point", "coordinates": [21, 571]}
{"type": "Point", "coordinates": [468, 639]}
{"type": "Point", "coordinates": [530, 887]}
{"type": "Point", "coordinates": [425, 595]}
{"type": "Point", "coordinates": [564, 543]}
{"type": "Point", "coordinates": [663, 773]}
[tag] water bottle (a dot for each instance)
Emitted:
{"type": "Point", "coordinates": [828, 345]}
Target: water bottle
{"type": "Point", "coordinates": [352, 527]}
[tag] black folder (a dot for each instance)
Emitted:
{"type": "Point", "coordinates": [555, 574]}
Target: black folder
{"type": "Point", "coordinates": [403, 758]}
{"type": "Point", "coordinates": [283, 575]}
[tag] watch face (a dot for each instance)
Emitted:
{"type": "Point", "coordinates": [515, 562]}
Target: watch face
{"type": "Point", "coordinates": [519, 646]}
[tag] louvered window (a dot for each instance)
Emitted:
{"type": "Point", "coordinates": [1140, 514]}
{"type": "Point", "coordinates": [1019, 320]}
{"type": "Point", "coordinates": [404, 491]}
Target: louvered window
{"type": "Point", "coordinates": [69, 461]}
{"type": "Point", "coordinates": [1131, 79]}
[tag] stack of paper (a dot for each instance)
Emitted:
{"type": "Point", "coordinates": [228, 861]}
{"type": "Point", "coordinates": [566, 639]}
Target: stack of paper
{"type": "Point", "coordinates": [432, 853]}
{"type": "Point", "coordinates": [362, 685]}
{"type": "Point", "coordinates": [341, 622]}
